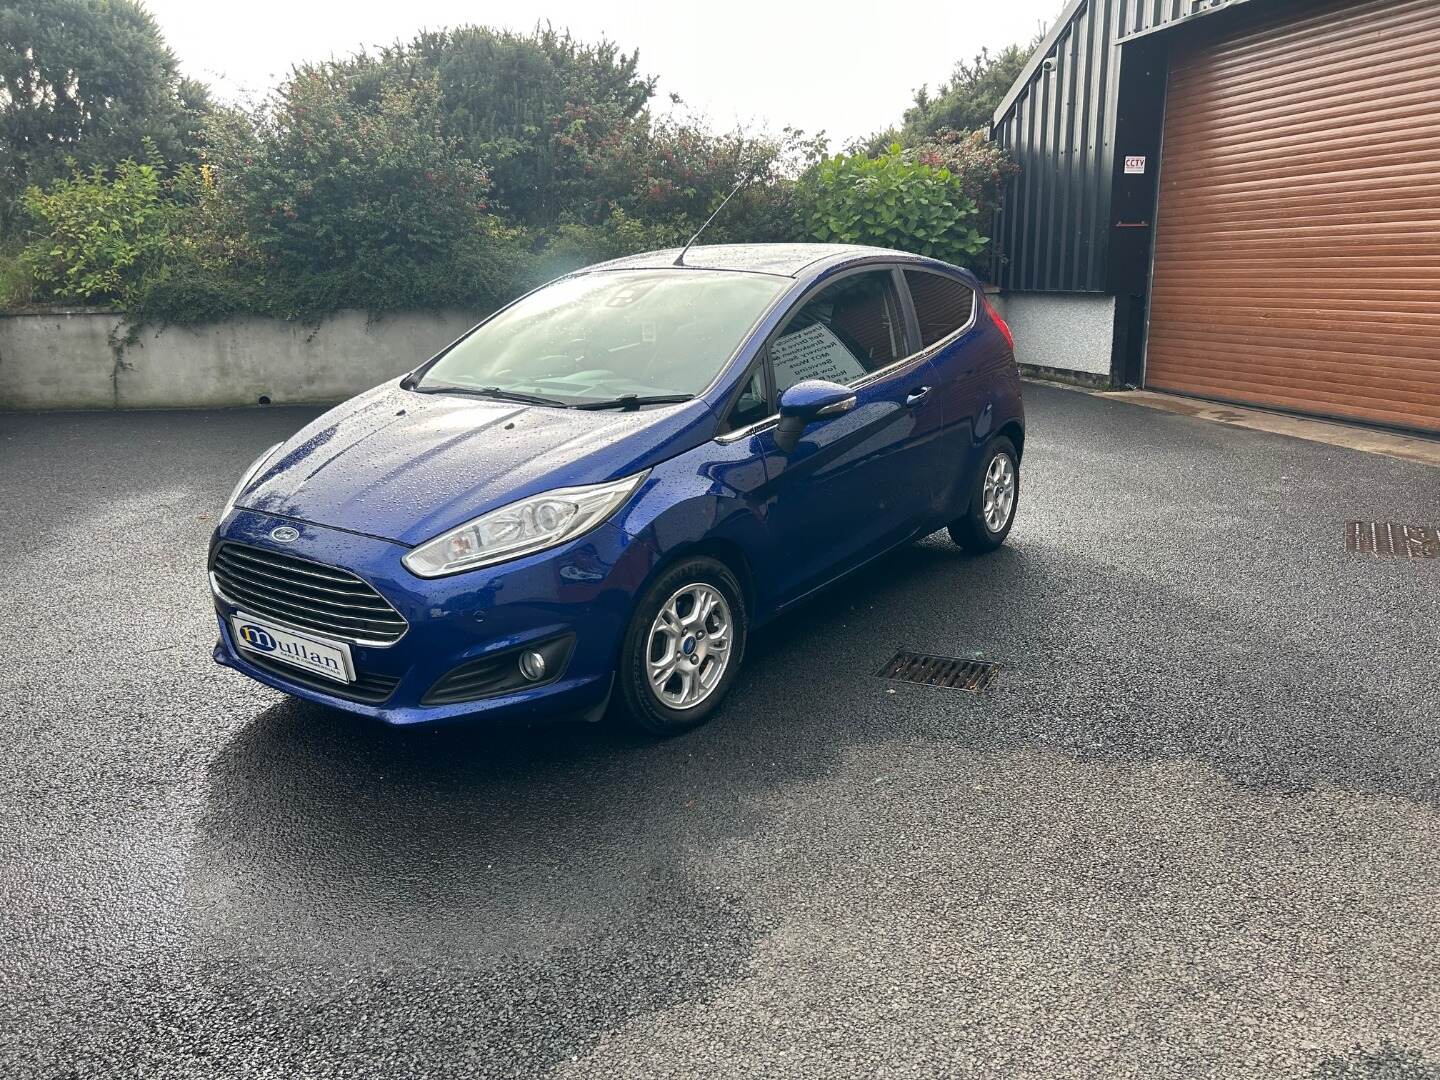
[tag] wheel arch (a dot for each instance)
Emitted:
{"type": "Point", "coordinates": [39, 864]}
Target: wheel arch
{"type": "Point", "coordinates": [1015, 432]}
{"type": "Point", "coordinates": [722, 550]}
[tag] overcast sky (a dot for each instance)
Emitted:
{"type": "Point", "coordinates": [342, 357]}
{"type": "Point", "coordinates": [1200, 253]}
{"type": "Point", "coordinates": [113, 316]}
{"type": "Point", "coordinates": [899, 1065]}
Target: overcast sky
{"type": "Point", "coordinates": [845, 67]}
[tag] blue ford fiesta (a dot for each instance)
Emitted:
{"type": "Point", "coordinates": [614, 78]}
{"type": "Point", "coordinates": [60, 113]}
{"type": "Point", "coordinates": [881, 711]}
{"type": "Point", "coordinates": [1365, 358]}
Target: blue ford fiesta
{"type": "Point", "coordinates": [600, 491]}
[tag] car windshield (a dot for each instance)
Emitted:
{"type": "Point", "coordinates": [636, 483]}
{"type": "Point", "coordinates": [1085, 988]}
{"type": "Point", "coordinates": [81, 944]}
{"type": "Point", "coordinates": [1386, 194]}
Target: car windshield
{"type": "Point", "coordinates": [610, 334]}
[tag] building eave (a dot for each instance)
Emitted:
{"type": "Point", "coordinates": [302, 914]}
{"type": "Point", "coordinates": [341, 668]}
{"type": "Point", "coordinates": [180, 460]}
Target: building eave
{"type": "Point", "coordinates": [1188, 19]}
{"type": "Point", "coordinates": [1074, 9]}
{"type": "Point", "coordinates": [1037, 58]}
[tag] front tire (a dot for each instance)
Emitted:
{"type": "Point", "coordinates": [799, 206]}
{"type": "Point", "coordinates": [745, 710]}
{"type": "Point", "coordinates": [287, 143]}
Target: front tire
{"type": "Point", "coordinates": [994, 497]}
{"type": "Point", "coordinates": [683, 647]}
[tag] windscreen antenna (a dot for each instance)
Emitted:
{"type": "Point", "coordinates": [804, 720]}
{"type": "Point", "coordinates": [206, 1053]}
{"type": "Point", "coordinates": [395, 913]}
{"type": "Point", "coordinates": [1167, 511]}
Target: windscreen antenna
{"type": "Point", "coordinates": [680, 259]}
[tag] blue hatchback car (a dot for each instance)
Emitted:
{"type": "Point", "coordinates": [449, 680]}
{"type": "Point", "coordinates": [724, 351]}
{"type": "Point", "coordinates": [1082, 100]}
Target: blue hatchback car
{"type": "Point", "coordinates": [598, 493]}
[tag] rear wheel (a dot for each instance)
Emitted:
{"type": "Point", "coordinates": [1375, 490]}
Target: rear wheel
{"type": "Point", "coordinates": [683, 647]}
{"type": "Point", "coordinates": [994, 497]}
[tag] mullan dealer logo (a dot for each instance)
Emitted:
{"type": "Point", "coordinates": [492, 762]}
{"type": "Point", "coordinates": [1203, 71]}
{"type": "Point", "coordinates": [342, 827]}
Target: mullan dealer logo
{"type": "Point", "coordinates": [257, 638]}
{"type": "Point", "coordinates": [287, 647]}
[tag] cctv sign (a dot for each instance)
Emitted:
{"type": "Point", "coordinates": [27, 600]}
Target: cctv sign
{"type": "Point", "coordinates": [1135, 165]}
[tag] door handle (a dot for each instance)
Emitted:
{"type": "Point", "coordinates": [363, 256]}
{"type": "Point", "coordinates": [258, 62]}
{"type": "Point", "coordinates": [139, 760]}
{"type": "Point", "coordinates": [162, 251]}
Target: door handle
{"type": "Point", "coordinates": [917, 395]}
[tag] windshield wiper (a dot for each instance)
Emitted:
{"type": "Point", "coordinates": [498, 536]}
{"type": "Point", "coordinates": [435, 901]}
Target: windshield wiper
{"type": "Point", "coordinates": [631, 402]}
{"type": "Point", "coordinates": [488, 392]}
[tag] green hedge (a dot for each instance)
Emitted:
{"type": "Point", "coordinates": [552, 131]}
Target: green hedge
{"type": "Point", "coordinates": [408, 179]}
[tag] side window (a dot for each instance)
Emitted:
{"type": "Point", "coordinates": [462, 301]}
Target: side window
{"type": "Point", "coordinates": [751, 405]}
{"type": "Point", "coordinates": [942, 305]}
{"type": "Point", "coordinates": [842, 332]}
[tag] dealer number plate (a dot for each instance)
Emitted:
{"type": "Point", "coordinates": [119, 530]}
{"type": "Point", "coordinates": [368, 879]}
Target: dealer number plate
{"type": "Point", "coordinates": [328, 658]}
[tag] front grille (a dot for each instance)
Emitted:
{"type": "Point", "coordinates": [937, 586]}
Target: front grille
{"type": "Point", "coordinates": [368, 689]}
{"type": "Point", "coordinates": [305, 594]}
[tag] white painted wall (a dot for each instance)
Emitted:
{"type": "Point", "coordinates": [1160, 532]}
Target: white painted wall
{"type": "Point", "coordinates": [1066, 331]}
{"type": "Point", "coordinates": [66, 359]}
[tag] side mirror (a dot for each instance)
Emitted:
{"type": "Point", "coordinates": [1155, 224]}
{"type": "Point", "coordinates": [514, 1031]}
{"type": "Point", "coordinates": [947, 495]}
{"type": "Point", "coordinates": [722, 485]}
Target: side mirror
{"type": "Point", "coordinates": [813, 399]}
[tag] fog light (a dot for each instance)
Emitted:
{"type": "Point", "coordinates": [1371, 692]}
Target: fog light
{"type": "Point", "coordinates": [532, 666]}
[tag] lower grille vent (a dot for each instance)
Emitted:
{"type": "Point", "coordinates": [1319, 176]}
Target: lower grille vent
{"type": "Point", "coordinates": [499, 673]}
{"type": "Point", "coordinates": [368, 689]}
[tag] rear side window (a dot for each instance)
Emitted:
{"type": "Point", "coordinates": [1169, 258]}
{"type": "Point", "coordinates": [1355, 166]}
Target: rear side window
{"type": "Point", "coordinates": [841, 333]}
{"type": "Point", "coordinates": [942, 305]}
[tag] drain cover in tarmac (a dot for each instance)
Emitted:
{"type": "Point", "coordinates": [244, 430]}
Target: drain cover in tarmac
{"type": "Point", "coordinates": [1389, 539]}
{"type": "Point", "coordinates": [947, 671]}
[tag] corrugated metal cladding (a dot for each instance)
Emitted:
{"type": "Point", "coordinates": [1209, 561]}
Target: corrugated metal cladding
{"type": "Point", "coordinates": [1052, 232]}
{"type": "Point", "coordinates": [1297, 254]}
{"type": "Point", "coordinates": [1142, 16]}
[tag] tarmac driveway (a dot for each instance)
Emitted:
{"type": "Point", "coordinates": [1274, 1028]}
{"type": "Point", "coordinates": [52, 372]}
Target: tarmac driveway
{"type": "Point", "coordinates": [1193, 829]}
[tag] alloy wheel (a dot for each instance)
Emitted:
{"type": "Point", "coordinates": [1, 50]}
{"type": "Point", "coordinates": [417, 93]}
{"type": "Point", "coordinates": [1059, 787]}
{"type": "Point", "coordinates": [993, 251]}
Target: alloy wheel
{"type": "Point", "coordinates": [688, 648]}
{"type": "Point", "coordinates": [999, 494]}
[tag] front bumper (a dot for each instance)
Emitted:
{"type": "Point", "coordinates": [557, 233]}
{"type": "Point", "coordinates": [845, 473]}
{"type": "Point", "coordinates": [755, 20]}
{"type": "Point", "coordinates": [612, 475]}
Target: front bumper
{"type": "Point", "coordinates": [586, 588]}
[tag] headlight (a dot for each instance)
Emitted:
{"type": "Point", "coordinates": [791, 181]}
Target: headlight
{"type": "Point", "coordinates": [250, 473]}
{"type": "Point", "coordinates": [527, 526]}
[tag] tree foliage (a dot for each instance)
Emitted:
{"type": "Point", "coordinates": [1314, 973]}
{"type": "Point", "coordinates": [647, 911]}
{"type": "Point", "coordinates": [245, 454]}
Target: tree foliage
{"type": "Point", "coordinates": [86, 82]}
{"type": "Point", "coordinates": [455, 169]}
{"type": "Point", "coordinates": [549, 117]}
{"type": "Point", "coordinates": [968, 99]}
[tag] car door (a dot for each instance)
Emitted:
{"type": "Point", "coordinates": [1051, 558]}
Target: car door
{"type": "Point", "coordinates": [945, 310]}
{"type": "Point", "coordinates": [866, 479]}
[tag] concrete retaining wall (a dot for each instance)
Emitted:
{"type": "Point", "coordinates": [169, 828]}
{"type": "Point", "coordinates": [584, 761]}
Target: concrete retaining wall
{"type": "Point", "coordinates": [67, 359]}
{"type": "Point", "coordinates": [1062, 331]}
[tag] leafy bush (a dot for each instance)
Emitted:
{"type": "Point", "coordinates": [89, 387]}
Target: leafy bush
{"type": "Point", "coordinates": [893, 201]}
{"type": "Point", "coordinates": [326, 183]}
{"type": "Point", "coordinates": [575, 244]}
{"type": "Point", "coordinates": [680, 171]}
{"type": "Point", "coordinates": [99, 237]}
{"type": "Point", "coordinates": [321, 200]}
{"type": "Point", "coordinates": [17, 287]}
{"type": "Point", "coordinates": [982, 167]}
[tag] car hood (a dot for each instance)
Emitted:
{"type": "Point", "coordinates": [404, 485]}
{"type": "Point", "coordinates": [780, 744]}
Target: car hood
{"type": "Point", "coordinates": [405, 466]}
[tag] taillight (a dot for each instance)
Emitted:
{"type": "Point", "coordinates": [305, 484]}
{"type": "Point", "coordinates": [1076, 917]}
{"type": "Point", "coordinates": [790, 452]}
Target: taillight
{"type": "Point", "coordinates": [1001, 323]}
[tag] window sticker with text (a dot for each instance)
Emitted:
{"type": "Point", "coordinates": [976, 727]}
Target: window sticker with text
{"type": "Point", "coordinates": [813, 353]}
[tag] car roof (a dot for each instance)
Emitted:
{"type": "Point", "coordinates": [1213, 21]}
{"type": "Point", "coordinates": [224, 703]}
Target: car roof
{"type": "Point", "coordinates": [786, 260]}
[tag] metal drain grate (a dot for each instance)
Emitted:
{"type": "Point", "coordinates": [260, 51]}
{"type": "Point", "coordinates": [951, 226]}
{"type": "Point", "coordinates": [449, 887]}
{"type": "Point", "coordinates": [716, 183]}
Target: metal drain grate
{"type": "Point", "coordinates": [949, 671]}
{"type": "Point", "coordinates": [1389, 539]}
